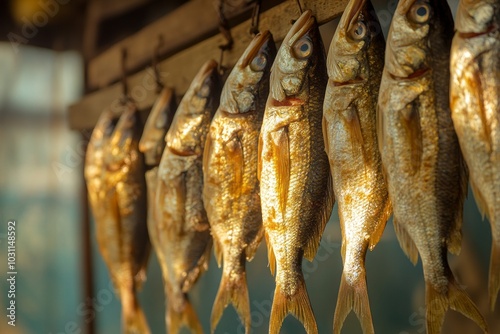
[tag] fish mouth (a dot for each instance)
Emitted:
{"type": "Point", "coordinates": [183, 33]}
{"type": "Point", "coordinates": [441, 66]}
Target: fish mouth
{"type": "Point", "coordinates": [290, 101]}
{"type": "Point", "coordinates": [353, 82]}
{"type": "Point", "coordinates": [304, 23]}
{"type": "Point", "coordinates": [415, 75]}
{"type": "Point", "coordinates": [260, 41]}
{"type": "Point", "coordinates": [207, 69]}
{"type": "Point", "coordinates": [183, 153]}
{"type": "Point", "coordinates": [353, 10]}
{"type": "Point", "coordinates": [491, 28]}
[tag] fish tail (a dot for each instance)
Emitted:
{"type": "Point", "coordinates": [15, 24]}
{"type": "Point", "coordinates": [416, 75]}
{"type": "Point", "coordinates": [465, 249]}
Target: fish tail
{"type": "Point", "coordinates": [353, 296]}
{"type": "Point", "coordinates": [494, 280]}
{"type": "Point", "coordinates": [232, 289]}
{"type": "Point", "coordinates": [184, 317]}
{"type": "Point", "coordinates": [134, 320]}
{"type": "Point", "coordinates": [437, 303]}
{"type": "Point", "coordinates": [298, 304]}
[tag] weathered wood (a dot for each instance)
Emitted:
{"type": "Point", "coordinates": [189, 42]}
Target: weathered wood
{"type": "Point", "coordinates": [184, 26]}
{"type": "Point", "coordinates": [178, 70]}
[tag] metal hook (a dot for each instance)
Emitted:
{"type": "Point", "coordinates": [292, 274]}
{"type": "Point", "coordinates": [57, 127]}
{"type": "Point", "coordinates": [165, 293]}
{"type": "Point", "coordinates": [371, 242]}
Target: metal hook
{"type": "Point", "coordinates": [254, 28]}
{"type": "Point", "coordinates": [300, 7]}
{"type": "Point", "coordinates": [124, 75]}
{"type": "Point", "coordinates": [221, 69]}
{"type": "Point", "coordinates": [159, 83]}
{"type": "Point", "coordinates": [224, 28]}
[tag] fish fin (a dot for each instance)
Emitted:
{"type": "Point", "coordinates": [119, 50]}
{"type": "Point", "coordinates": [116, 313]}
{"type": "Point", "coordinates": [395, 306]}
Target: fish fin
{"type": "Point", "coordinates": [270, 255]}
{"type": "Point", "coordinates": [187, 317]}
{"type": "Point", "coordinates": [297, 304]}
{"type": "Point", "coordinates": [478, 89]}
{"type": "Point", "coordinates": [218, 252]}
{"type": "Point", "coordinates": [353, 296]}
{"type": "Point", "coordinates": [406, 242]}
{"type": "Point", "coordinates": [354, 127]}
{"type": "Point", "coordinates": [380, 131]}
{"type": "Point", "coordinates": [411, 122]}
{"type": "Point", "coordinates": [133, 318]}
{"type": "Point", "coordinates": [200, 267]}
{"type": "Point", "coordinates": [324, 126]}
{"type": "Point", "coordinates": [324, 215]}
{"type": "Point", "coordinates": [259, 158]}
{"type": "Point", "coordinates": [454, 240]}
{"type": "Point", "coordinates": [437, 303]}
{"type": "Point", "coordinates": [381, 223]}
{"type": "Point", "coordinates": [207, 153]}
{"type": "Point", "coordinates": [478, 196]}
{"type": "Point", "coordinates": [232, 289]}
{"type": "Point", "coordinates": [281, 152]}
{"type": "Point", "coordinates": [494, 276]}
{"type": "Point", "coordinates": [236, 159]}
{"type": "Point", "coordinates": [254, 245]}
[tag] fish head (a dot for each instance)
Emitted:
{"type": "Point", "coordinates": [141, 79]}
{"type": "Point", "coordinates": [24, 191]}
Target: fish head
{"type": "Point", "coordinates": [192, 119]}
{"type": "Point", "coordinates": [407, 48]}
{"type": "Point", "coordinates": [159, 120]}
{"type": "Point", "coordinates": [250, 73]}
{"type": "Point", "coordinates": [296, 59]}
{"type": "Point", "coordinates": [94, 158]}
{"type": "Point", "coordinates": [124, 138]}
{"type": "Point", "coordinates": [477, 16]}
{"type": "Point", "coordinates": [358, 30]}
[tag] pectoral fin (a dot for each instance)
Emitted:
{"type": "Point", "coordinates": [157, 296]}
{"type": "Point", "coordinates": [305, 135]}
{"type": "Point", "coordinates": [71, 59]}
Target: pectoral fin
{"type": "Point", "coordinates": [411, 123]}
{"type": "Point", "coordinates": [353, 125]}
{"type": "Point", "coordinates": [281, 156]}
{"type": "Point", "coordinates": [207, 153]}
{"type": "Point", "coordinates": [236, 159]}
{"type": "Point", "coordinates": [406, 242]}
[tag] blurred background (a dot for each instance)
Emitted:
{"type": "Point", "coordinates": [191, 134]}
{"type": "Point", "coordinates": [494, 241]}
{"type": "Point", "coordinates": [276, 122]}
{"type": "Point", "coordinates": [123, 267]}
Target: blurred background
{"type": "Point", "coordinates": [62, 284]}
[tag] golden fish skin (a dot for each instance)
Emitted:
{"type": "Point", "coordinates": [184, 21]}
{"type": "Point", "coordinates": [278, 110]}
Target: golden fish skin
{"type": "Point", "coordinates": [182, 233]}
{"type": "Point", "coordinates": [120, 212]}
{"type": "Point", "coordinates": [231, 188]}
{"type": "Point", "coordinates": [355, 62]}
{"type": "Point", "coordinates": [295, 180]}
{"type": "Point", "coordinates": [160, 118]}
{"type": "Point", "coordinates": [426, 175]}
{"type": "Point", "coordinates": [475, 105]}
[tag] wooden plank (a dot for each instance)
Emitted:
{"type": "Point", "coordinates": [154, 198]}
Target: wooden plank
{"type": "Point", "coordinates": [178, 70]}
{"type": "Point", "coordinates": [191, 22]}
{"type": "Point", "coordinates": [110, 8]}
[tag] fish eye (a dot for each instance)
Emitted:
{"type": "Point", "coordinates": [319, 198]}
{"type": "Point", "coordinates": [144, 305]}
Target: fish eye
{"type": "Point", "coordinates": [359, 31]}
{"type": "Point", "coordinates": [420, 12]}
{"type": "Point", "coordinates": [258, 64]}
{"type": "Point", "coordinates": [302, 49]}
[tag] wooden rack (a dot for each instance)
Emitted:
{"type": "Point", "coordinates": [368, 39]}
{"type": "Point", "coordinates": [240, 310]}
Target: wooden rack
{"type": "Point", "coordinates": [179, 30]}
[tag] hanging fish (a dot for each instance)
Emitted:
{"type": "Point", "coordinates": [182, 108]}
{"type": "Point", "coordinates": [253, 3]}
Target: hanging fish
{"type": "Point", "coordinates": [152, 144]}
{"type": "Point", "coordinates": [295, 180]}
{"type": "Point", "coordinates": [182, 231]}
{"type": "Point", "coordinates": [475, 105]}
{"type": "Point", "coordinates": [355, 63]}
{"type": "Point", "coordinates": [117, 191]}
{"type": "Point", "coordinates": [231, 188]}
{"type": "Point", "coordinates": [160, 118]}
{"type": "Point", "coordinates": [426, 174]}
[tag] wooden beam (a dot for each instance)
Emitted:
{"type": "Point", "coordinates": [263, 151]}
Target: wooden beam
{"type": "Point", "coordinates": [184, 26]}
{"type": "Point", "coordinates": [110, 8]}
{"type": "Point", "coordinates": [178, 70]}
